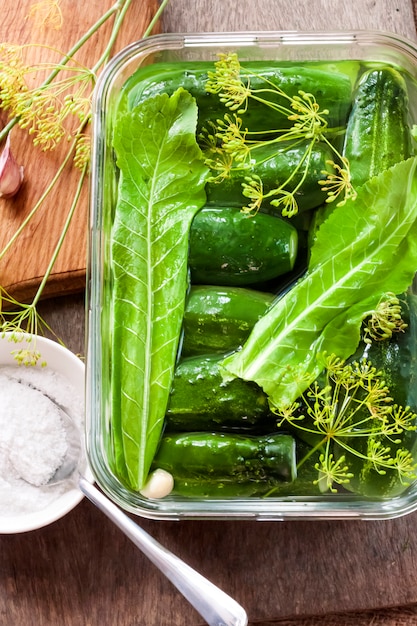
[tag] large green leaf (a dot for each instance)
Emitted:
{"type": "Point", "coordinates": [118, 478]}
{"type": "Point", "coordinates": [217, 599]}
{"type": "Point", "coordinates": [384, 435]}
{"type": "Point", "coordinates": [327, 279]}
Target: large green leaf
{"type": "Point", "coordinates": [364, 249]}
{"type": "Point", "coordinates": [161, 187]}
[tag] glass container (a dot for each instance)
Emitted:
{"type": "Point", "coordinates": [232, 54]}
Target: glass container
{"type": "Point", "coordinates": [332, 51]}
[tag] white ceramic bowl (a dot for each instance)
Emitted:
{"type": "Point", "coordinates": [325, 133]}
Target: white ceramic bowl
{"type": "Point", "coordinates": [64, 363]}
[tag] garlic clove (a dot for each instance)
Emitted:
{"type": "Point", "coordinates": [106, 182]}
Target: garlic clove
{"type": "Point", "coordinates": [160, 483]}
{"type": "Point", "coordinates": [11, 174]}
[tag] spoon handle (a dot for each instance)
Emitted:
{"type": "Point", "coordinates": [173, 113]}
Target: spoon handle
{"type": "Point", "coordinates": [215, 606]}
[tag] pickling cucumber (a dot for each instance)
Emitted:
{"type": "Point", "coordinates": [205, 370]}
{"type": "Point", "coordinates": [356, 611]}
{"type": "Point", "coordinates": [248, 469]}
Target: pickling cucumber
{"type": "Point", "coordinates": [201, 400]}
{"type": "Point", "coordinates": [230, 247]}
{"type": "Point", "coordinates": [275, 164]}
{"type": "Point", "coordinates": [304, 483]}
{"type": "Point", "coordinates": [332, 90]}
{"type": "Point", "coordinates": [378, 133]}
{"type": "Point", "coordinates": [397, 360]}
{"type": "Point", "coordinates": [219, 319]}
{"type": "Point", "coordinates": [237, 465]}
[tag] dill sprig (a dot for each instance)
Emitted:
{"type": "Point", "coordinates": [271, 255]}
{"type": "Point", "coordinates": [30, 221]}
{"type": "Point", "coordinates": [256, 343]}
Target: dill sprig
{"type": "Point", "coordinates": [47, 111]}
{"type": "Point", "coordinates": [338, 183]}
{"type": "Point", "coordinates": [47, 13]}
{"type": "Point", "coordinates": [226, 81]}
{"type": "Point", "coordinates": [351, 406]}
{"type": "Point", "coordinates": [385, 320]}
{"type": "Point", "coordinates": [56, 110]}
{"type": "Point", "coordinates": [229, 146]}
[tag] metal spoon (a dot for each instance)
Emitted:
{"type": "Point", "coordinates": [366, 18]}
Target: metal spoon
{"type": "Point", "coordinates": [213, 604]}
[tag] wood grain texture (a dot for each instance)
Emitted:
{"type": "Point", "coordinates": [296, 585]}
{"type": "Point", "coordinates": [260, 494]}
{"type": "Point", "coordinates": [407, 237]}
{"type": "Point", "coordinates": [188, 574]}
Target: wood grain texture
{"type": "Point", "coordinates": [22, 269]}
{"type": "Point", "coordinates": [81, 571]}
{"type": "Point", "coordinates": [223, 15]}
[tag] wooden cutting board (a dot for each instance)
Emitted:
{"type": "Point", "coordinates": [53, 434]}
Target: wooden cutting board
{"type": "Point", "coordinates": [23, 267]}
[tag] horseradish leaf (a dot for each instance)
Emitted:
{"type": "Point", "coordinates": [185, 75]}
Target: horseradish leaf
{"type": "Point", "coordinates": [161, 187]}
{"type": "Point", "coordinates": [364, 249]}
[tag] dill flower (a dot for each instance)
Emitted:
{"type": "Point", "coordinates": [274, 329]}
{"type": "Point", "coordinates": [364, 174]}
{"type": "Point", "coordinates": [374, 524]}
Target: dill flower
{"type": "Point", "coordinates": [351, 411]}
{"type": "Point", "coordinates": [331, 471]}
{"type": "Point", "coordinates": [82, 151]}
{"type": "Point", "coordinates": [232, 82]}
{"type": "Point", "coordinates": [252, 188]}
{"type": "Point", "coordinates": [286, 202]}
{"type": "Point", "coordinates": [28, 358]}
{"type": "Point", "coordinates": [47, 13]}
{"type": "Point", "coordinates": [385, 320]}
{"type": "Point", "coordinates": [227, 82]}
{"type": "Point", "coordinates": [307, 117]}
{"type": "Point", "coordinates": [338, 183]}
{"type": "Point", "coordinates": [233, 138]}
{"type": "Point", "coordinates": [12, 76]}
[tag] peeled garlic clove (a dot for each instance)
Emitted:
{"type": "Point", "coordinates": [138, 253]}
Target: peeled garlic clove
{"type": "Point", "coordinates": [160, 483]}
{"type": "Point", "coordinates": [11, 174]}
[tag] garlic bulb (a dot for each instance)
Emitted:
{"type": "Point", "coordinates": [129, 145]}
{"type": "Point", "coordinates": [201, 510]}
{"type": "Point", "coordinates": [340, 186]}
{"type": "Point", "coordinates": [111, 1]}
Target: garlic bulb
{"type": "Point", "coordinates": [11, 174]}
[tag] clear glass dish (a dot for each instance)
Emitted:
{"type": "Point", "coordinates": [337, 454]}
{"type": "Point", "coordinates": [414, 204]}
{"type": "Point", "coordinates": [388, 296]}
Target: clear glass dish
{"type": "Point", "coordinates": [322, 48]}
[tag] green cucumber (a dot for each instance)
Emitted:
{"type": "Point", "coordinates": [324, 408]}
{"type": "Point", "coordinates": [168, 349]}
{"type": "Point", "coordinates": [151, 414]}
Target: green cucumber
{"type": "Point", "coordinates": [230, 247]}
{"type": "Point", "coordinates": [378, 133]}
{"type": "Point", "coordinates": [305, 483]}
{"type": "Point", "coordinates": [331, 89]}
{"type": "Point", "coordinates": [219, 319]}
{"type": "Point", "coordinates": [397, 360]}
{"type": "Point", "coordinates": [236, 465]}
{"type": "Point", "coordinates": [397, 357]}
{"type": "Point", "coordinates": [201, 400]}
{"type": "Point", "coordinates": [275, 164]}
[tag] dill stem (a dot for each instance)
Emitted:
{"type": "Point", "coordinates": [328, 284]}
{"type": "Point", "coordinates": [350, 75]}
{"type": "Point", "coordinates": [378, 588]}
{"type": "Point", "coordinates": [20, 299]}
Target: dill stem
{"type": "Point", "coordinates": [310, 453]}
{"type": "Point", "coordinates": [6, 129]}
{"type": "Point", "coordinates": [305, 160]}
{"type": "Point", "coordinates": [117, 25]}
{"type": "Point", "coordinates": [155, 18]}
{"type": "Point", "coordinates": [67, 57]}
{"type": "Point", "coordinates": [89, 33]}
{"type": "Point", "coordinates": [120, 7]}
{"type": "Point", "coordinates": [115, 31]}
{"type": "Point", "coordinates": [37, 205]}
{"type": "Point", "coordinates": [63, 232]}
{"type": "Point", "coordinates": [273, 105]}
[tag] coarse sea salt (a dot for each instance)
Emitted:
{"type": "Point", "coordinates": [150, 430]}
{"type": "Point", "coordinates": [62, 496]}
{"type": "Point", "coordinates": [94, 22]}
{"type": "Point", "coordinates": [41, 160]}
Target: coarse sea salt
{"type": "Point", "coordinates": [32, 436]}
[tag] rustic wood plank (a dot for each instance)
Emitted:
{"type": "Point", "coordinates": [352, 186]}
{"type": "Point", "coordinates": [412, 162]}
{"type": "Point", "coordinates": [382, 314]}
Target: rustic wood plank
{"type": "Point", "coordinates": [327, 15]}
{"type": "Point", "coordinates": [82, 571]}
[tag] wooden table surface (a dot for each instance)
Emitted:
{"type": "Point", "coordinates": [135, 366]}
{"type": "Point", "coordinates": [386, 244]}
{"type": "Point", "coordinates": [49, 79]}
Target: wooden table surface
{"type": "Point", "coordinates": [81, 571]}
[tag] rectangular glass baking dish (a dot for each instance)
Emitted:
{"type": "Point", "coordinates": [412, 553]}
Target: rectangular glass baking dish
{"type": "Point", "coordinates": [321, 47]}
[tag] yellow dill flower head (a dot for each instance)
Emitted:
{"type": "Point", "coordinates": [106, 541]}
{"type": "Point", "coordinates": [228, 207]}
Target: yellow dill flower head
{"type": "Point", "coordinates": [12, 76]}
{"type": "Point", "coordinates": [338, 183]}
{"type": "Point", "coordinates": [307, 116]}
{"type": "Point", "coordinates": [42, 119]}
{"type": "Point", "coordinates": [54, 110]}
{"type": "Point", "coordinates": [47, 14]}
{"type": "Point", "coordinates": [385, 320]}
{"type": "Point", "coordinates": [252, 188]}
{"type": "Point", "coordinates": [227, 82]}
{"type": "Point", "coordinates": [82, 151]}
{"type": "Point", "coordinates": [28, 358]}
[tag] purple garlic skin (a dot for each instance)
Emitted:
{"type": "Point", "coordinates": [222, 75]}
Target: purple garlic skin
{"type": "Point", "coordinates": [11, 174]}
